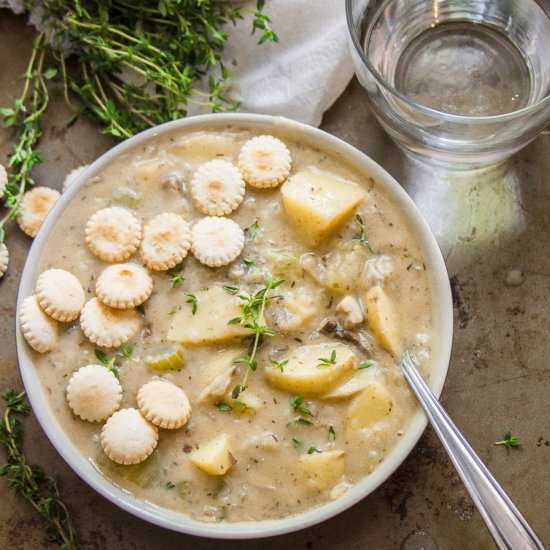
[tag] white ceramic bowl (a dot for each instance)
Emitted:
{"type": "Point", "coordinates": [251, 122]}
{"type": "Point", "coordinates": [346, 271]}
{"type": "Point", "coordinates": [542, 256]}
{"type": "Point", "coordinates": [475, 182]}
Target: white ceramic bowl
{"type": "Point", "coordinates": [443, 323]}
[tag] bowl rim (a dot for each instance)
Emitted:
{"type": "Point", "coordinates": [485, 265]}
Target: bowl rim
{"type": "Point", "coordinates": [464, 119]}
{"type": "Point", "coordinates": [177, 521]}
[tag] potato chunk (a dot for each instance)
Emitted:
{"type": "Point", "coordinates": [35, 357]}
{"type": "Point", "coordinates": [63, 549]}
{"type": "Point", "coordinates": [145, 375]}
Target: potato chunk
{"type": "Point", "coordinates": [321, 471]}
{"type": "Point", "coordinates": [206, 146]}
{"type": "Point", "coordinates": [382, 320]}
{"type": "Point", "coordinates": [217, 374]}
{"type": "Point", "coordinates": [209, 324]}
{"type": "Point", "coordinates": [214, 457]}
{"type": "Point", "coordinates": [293, 310]}
{"type": "Point", "coordinates": [306, 373]}
{"type": "Point", "coordinates": [317, 203]}
{"type": "Point", "coordinates": [370, 406]}
{"type": "Point", "coordinates": [350, 311]}
{"type": "Point", "coordinates": [358, 382]}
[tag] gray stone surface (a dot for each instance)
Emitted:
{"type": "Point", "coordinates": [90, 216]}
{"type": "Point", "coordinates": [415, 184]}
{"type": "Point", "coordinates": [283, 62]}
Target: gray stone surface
{"type": "Point", "coordinates": [488, 224]}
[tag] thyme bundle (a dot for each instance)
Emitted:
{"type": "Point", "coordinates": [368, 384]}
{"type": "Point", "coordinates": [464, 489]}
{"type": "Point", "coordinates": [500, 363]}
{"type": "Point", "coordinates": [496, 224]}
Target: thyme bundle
{"type": "Point", "coordinates": [127, 65]}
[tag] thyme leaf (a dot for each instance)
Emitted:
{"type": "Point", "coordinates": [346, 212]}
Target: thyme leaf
{"type": "Point", "coordinates": [279, 364]}
{"type": "Point", "coordinates": [296, 403]}
{"type": "Point", "coordinates": [327, 361]}
{"type": "Point", "coordinates": [362, 236]}
{"type": "Point", "coordinates": [509, 441]}
{"type": "Point", "coordinates": [252, 230]}
{"type": "Point", "coordinates": [109, 364]}
{"type": "Point", "coordinates": [192, 299]}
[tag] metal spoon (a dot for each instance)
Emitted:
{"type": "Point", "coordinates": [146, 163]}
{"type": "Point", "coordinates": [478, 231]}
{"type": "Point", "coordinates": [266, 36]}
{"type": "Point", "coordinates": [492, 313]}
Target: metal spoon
{"type": "Point", "coordinates": [504, 521]}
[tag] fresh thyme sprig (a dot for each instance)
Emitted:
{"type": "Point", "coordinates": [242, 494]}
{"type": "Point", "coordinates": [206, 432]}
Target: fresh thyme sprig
{"type": "Point", "coordinates": [129, 65]}
{"type": "Point", "coordinates": [509, 441]}
{"type": "Point", "coordinates": [24, 116]}
{"type": "Point", "coordinates": [29, 480]}
{"type": "Point", "coordinates": [362, 236]}
{"type": "Point", "coordinates": [262, 22]}
{"type": "Point", "coordinates": [252, 317]}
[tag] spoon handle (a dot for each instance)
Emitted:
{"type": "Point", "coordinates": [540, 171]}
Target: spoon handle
{"type": "Point", "coordinates": [504, 521]}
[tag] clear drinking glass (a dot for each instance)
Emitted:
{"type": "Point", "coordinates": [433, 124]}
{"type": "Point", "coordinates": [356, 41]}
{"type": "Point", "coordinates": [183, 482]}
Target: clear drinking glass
{"type": "Point", "coordinates": [465, 82]}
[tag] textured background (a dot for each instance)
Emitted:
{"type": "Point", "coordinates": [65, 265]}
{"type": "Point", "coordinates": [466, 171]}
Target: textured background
{"type": "Point", "coordinates": [487, 224]}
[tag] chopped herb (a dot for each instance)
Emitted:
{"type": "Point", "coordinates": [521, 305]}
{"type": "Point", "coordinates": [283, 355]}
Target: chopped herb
{"type": "Point", "coordinates": [252, 230]}
{"type": "Point", "coordinates": [324, 362]}
{"type": "Point", "coordinates": [110, 364]}
{"type": "Point", "coordinates": [296, 403]}
{"type": "Point", "coordinates": [29, 480]}
{"type": "Point", "coordinates": [509, 441]}
{"type": "Point", "coordinates": [362, 236]}
{"type": "Point", "coordinates": [192, 299]}
{"type": "Point", "coordinates": [279, 364]}
{"type": "Point", "coordinates": [243, 407]}
{"type": "Point", "coordinates": [365, 365]}
{"type": "Point", "coordinates": [235, 321]}
{"type": "Point", "coordinates": [127, 351]}
{"type": "Point", "coordinates": [224, 406]}
{"type": "Point", "coordinates": [331, 434]}
{"type": "Point", "coordinates": [313, 449]}
{"type": "Point", "coordinates": [173, 311]}
{"type": "Point", "coordinates": [176, 275]}
{"type": "Point", "coordinates": [169, 485]}
{"type": "Point", "coordinates": [237, 390]}
{"type": "Point", "coordinates": [297, 442]}
{"type": "Point", "coordinates": [231, 289]}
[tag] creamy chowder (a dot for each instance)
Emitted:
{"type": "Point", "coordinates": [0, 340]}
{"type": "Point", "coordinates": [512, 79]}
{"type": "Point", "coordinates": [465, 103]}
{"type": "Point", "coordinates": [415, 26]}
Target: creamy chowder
{"type": "Point", "coordinates": [280, 421]}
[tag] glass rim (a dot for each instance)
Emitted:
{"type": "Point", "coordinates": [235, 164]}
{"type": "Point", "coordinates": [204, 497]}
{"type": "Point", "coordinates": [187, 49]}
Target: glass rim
{"type": "Point", "coordinates": [424, 108]}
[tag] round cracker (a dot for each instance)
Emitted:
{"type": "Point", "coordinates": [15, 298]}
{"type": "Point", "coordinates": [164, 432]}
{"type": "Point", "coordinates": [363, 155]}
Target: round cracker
{"type": "Point", "coordinates": [164, 404]}
{"type": "Point", "coordinates": [124, 286]}
{"type": "Point", "coordinates": [166, 241]}
{"type": "Point", "coordinates": [40, 331]}
{"type": "Point", "coordinates": [128, 438]}
{"type": "Point", "coordinates": [217, 188]}
{"type": "Point", "coordinates": [216, 241]}
{"type": "Point", "coordinates": [35, 206]}
{"type": "Point", "coordinates": [94, 393]}
{"type": "Point", "coordinates": [60, 295]}
{"type": "Point", "coordinates": [264, 162]}
{"type": "Point", "coordinates": [108, 327]}
{"type": "Point", "coordinates": [4, 259]}
{"type": "Point", "coordinates": [113, 234]}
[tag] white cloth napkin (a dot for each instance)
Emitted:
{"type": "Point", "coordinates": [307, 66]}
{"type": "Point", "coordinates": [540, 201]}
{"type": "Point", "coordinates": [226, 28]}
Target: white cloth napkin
{"type": "Point", "coordinates": [304, 73]}
{"type": "Point", "coordinates": [298, 77]}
